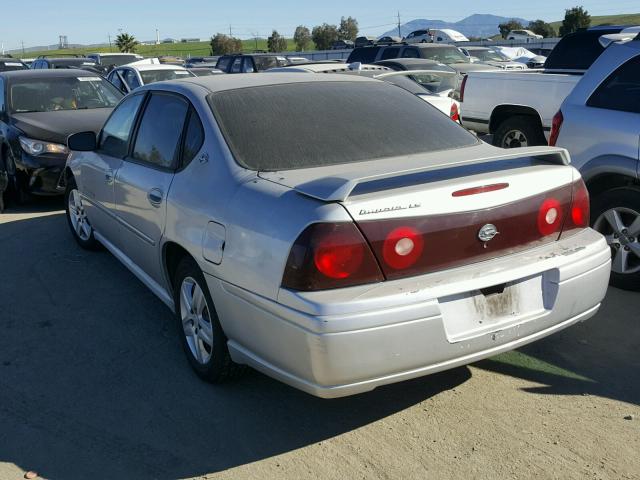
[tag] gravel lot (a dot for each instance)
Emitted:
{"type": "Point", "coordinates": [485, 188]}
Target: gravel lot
{"type": "Point", "coordinates": [93, 385]}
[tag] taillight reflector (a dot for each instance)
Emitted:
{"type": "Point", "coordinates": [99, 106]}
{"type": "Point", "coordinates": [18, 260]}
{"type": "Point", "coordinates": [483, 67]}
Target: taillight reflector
{"type": "Point", "coordinates": [402, 248]}
{"type": "Point", "coordinates": [550, 217]}
{"type": "Point", "coordinates": [483, 189]}
{"type": "Point", "coordinates": [455, 113]}
{"type": "Point", "coordinates": [556, 125]}
{"type": "Point", "coordinates": [580, 208]}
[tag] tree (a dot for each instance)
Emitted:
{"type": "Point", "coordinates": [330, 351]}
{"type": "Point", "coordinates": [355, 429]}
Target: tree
{"type": "Point", "coordinates": [324, 36]}
{"type": "Point", "coordinates": [126, 43]}
{"type": "Point", "coordinates": [509, 26]}
{"type": "Point", "coordinates": [542, 28]}
{"type": "Point", "coordinates": [223, 44]}
{"type": "Point", "coordinates": [276, 43]}
{"type": "Point", "coordinates": [302, 38]}
{"type": "Point", "coordinates": [574, 18]}
{"type": "Point", "coordinates": [348, 29]}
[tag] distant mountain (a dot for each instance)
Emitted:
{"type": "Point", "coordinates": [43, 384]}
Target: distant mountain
{"type": "Point", "coordinates": [477, 25]}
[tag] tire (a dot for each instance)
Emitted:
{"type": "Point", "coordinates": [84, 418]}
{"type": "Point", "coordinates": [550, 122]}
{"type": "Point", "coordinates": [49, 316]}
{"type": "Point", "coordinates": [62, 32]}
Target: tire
{"type": "Point", "coordinates": [15, 191]}
{"type": "Point", "coordinates": [519, 131]}
{"type": "Point", "coordinates": [76, 218]}
{"type": "Point", "coordinates": [201, 334]}
{"type": "Point", "coordinates": [620, 207]}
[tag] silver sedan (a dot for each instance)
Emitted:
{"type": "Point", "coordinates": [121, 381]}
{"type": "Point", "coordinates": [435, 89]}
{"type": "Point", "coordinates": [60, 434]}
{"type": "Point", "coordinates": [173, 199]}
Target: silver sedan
{"type": "Point", "coordinates": [335, 233]}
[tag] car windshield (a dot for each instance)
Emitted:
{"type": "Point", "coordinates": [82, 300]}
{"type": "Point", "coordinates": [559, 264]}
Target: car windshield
{"type": "Point", "coordinates": [118, 60]}
{"type": "Point", "coordinates": [152, 76]}
{"type": "Point", "coordinates": [68, 93]}
{"type": "Point", "coordinates": [446, 55]}
{"type": "Point", "coordinates": [332, 123]}
{"type": "Point", "coordinates": [72, 62]}
{"type": "Point", "coordinates": [488, 56]}
{"type": "Point", "coordinates": [7, 65]}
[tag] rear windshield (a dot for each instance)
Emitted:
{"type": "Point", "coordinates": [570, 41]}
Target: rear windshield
{"type": "Point", "coordinates": [118, 60]}
{"type": "Point", "coordinates": [152, 76]}
{"type": "Point", "coordinates": [303, 125]}
{"type": "Point", "coordinates": [577, 51]}
{"type": "Point", "coordinates": [446, 55]}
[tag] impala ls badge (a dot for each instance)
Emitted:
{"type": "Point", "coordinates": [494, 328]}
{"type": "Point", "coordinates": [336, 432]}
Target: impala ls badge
{"type": "Point", "coordinates": [487, 233]}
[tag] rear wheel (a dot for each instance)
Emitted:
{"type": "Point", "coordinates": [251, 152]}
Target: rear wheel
{"type": "Point", "coordinates": [202, 338]}
{"type": "Point", "coordinates": [77, 219]}
{"type": "Point", "coordinates": [616, 214]}
{"type": "Point", "coordinates": [519, 131]}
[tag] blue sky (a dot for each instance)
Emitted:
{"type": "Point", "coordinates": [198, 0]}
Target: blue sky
{"type": "Point", "coordinates": [38, 22]}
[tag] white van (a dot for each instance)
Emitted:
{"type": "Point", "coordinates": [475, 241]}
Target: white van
{"type": "Point", "coordinates": [444, 35]}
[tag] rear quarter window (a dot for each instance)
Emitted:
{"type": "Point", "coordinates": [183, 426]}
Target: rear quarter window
{"type": "Point", "coordinates": [303, 125]}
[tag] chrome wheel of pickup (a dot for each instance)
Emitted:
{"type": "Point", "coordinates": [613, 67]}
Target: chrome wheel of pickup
{"type": "Point", "coordinates": [196, 320]}
{"type": "Point", "coordinates": [78, 216]}
{"type": "Point", "coordinates": [515, 139]}
{"type": "Point", "coordinates": [621, 228]}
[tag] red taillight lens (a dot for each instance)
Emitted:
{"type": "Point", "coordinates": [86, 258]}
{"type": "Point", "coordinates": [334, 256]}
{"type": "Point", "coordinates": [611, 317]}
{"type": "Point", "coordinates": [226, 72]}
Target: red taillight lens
{"type": "Point", "coordinates": [580, 208]}
{"type": "Point", "coordinates": [402, 248]}
{"type": "Point", "coordinates": [550, 217]}
{"type": "Point", "coordinates": [455, 113]}
{"type": "Point", "coordinates": [330, 255]}
{"type": "Point", "coordinates": [556, 125]}
{"type": "Point", "coordinates": [462, 87]}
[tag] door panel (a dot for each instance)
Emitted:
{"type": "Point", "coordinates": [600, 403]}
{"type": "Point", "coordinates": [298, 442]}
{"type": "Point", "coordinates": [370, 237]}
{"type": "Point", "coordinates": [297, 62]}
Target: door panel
{"type": "Point", "coordinates": [143, 181]}
{"type": "Point", "coordinates": [98, 174]}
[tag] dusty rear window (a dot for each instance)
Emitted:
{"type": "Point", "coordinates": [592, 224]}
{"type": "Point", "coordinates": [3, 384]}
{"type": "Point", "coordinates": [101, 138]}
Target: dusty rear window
{"type": "Point", "coordinates": [303, 125]}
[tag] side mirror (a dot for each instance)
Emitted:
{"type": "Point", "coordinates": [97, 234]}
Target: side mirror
{"type": "Point", "coordinates": [82, 142]}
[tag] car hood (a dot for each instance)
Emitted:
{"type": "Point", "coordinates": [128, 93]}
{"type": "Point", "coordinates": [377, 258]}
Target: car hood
{"type": "Point", "coordinates": [57, 126]}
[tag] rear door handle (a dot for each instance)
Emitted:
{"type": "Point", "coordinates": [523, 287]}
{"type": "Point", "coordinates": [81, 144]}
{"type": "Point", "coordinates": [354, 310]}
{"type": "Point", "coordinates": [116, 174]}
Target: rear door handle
{"type": "Point", "coordinates": [155, 197]}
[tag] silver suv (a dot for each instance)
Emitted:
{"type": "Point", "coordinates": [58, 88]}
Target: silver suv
{"type": "Point", "coordinates": [599, 123]}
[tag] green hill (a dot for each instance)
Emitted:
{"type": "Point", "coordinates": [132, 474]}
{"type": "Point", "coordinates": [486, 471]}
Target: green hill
{"type": "Point", "coordinates": [195, 49]}
{"type": "Point", "coordinates": [622, 19]}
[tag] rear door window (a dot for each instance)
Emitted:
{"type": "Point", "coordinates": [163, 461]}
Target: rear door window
{"type": "Point", "coordinates": [131, 78]}
{"type": "Point", "coordinates": [410, 53]}
{"type": "Point", "coordinates": [160, 130]}
{"type": "Point", "coordinates": [348, 126]}
{"type": "Point", "coordinates": [364, 55]}
{"type": "Point", "coordinates": [236, 67]}
{"type": "Point", "coordinates": [390, 52]}
{"type": "Point", "coordinates": [223, 63]}
{"type": "Point", "coordinates": [621, 90]}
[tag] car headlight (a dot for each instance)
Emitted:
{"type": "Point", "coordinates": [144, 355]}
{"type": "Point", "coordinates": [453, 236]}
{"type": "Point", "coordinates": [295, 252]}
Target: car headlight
{"type": "Point", "coordinates": [38, 147]}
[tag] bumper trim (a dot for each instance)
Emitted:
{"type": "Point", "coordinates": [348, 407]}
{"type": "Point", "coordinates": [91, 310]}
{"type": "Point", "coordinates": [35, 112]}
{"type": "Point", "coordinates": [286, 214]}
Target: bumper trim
{"type": "Point", "coordinates": [241, 355]}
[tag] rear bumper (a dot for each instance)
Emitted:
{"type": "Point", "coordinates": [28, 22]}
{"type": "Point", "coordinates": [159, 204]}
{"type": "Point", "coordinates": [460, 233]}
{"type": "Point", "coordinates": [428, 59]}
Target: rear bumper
{"type": "Point", "coordinates": [339, 343]}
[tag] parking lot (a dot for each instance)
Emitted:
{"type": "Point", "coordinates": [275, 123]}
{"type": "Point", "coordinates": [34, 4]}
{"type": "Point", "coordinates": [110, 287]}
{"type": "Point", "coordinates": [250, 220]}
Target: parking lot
{"type": "Point", "coordinates": [93, 384]}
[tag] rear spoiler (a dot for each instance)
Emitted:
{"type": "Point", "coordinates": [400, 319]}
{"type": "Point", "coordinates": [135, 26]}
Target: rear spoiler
{"type": "Point", "coordinates": [626, 35]}
{"type": "Point", "coordinates": [352, 183]}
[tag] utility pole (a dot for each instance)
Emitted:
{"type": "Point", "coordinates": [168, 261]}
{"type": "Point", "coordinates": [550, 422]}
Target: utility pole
{"type": "Point", "coordinates": [109, 42]}
{"type": "Point", "coordinates": [399, 30]}
{"type": "Point", "coordinates": [230, 34]}
{"type": "Point", "coordinates": [22, 47]}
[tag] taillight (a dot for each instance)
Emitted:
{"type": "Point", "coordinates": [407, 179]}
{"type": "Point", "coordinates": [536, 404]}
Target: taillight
{"type": "Point", "coordinates": [455, 113]}
{"type": "Point", "coordinates": [462, 87]}
{"type": "Point", "coordinates": [330, 255]}
{"type": "Point", "coordinates": [402, 248]}
{"type": "Point", "coordinates": [580, 209]}
{"type": "Point", "coordinates": [556, 125]}
{"type": "Point", "coordinates": [550, 217]}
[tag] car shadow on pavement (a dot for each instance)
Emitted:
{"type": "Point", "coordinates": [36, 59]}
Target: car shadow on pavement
{"type": "Point", "coordinates": [93, 383]}
{"type": "Point", "coordinates": [597, 357]}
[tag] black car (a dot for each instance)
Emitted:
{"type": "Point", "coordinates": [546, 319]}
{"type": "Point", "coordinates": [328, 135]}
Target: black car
{"type": "Point", "coordinates": [38, 111]}
{"type": "Point", "coordinates": [10, 64]}
{"type": "Point", "coordinates": [194, 62]}
{"type": "Point", "coordinates": [364, 41]}
{"type": "Point", "coordinates": [343, 45]}
{"type": "Point", "coordinates": [250, 62]}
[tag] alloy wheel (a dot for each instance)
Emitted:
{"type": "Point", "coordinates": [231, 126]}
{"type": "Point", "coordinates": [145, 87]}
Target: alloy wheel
{"type": "Point", "coordinates": [78, 216]}
{"type": "Point", "coordinates": [621, 228]}
{"type": "Point", "coordinates": [196, 320]}
{"type": "Point", "coordinates": [515, 139]}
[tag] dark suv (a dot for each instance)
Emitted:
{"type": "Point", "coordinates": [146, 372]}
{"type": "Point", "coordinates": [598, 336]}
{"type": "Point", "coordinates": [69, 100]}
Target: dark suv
{"type": "Point", "coordinates": [71, 61]}
{"type": "Point", "coordinates": [250, 62]}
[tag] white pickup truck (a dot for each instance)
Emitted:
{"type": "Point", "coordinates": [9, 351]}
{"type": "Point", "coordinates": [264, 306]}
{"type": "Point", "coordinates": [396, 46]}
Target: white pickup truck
{"type": "Point", "coordinates": [517, 108]}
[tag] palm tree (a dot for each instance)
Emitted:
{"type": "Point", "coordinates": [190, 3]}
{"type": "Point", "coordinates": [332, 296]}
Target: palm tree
{"type": "Point", "coordinates": [126, 43]}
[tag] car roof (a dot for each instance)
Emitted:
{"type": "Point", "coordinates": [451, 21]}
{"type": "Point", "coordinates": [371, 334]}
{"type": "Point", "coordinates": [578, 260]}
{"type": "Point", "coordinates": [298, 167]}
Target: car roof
{"type": "Point", "coordinates": [433, 45]}
{"type": "Point", "coordinates": [114, 54]}
{"type": "Point", "coordinates": [52, 73]}
{"type": "Point", "coordinates": [411, 62]}
{"type": "Point", "coordinates": [153, 66]}
{"type": "Point", "coordinates": [327, 67]}
{"type": "Point", "coordinates": [472, 48]}
{"type": "Point", "coordinates": [221, 83]}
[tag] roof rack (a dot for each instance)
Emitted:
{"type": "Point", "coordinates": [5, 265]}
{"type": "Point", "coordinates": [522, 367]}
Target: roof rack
{"type": "Point", "coordinates": [60, 55]}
